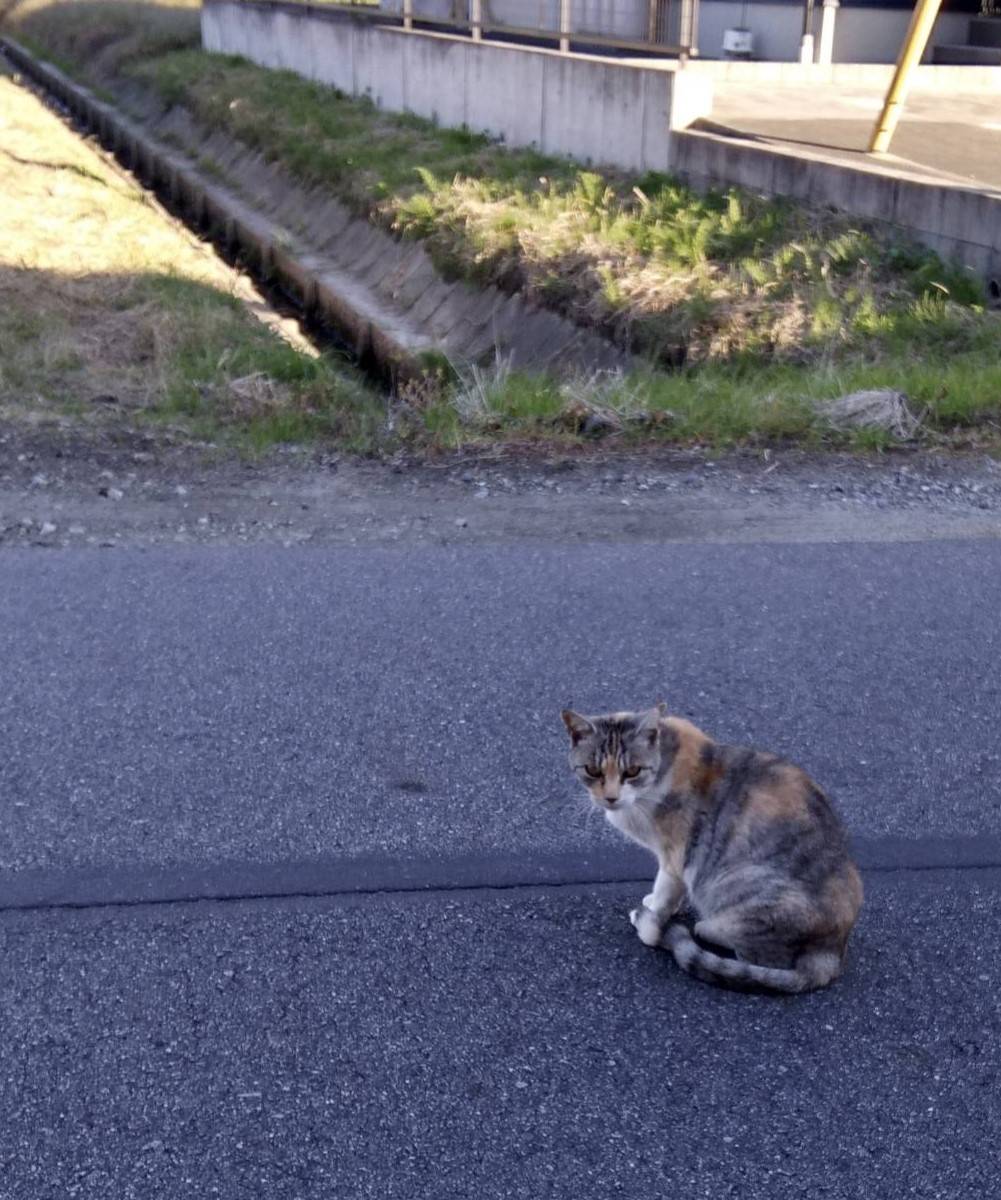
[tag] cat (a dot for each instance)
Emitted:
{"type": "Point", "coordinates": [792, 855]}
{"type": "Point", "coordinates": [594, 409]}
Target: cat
{"type": "Point", "coordinates": [747, 838]}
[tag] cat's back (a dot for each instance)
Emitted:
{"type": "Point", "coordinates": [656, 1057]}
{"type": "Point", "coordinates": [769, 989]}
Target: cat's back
{"type": "Point", "coordinates": [764, 808]}
{"type": "Point", "coordinates": [770, 841]}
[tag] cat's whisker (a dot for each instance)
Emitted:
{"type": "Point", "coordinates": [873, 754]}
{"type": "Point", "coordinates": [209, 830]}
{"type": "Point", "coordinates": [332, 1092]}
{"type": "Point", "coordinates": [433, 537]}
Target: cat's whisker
{"type": "Point", "coordinates": [574, 805]}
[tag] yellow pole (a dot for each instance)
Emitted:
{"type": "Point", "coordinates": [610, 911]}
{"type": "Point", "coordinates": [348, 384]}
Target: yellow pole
{"type": "Point", "coordinates": [918, 32]}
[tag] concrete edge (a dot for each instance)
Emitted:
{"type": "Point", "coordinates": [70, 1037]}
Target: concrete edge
{"type": "Point", "coordinates": [959, 222]}
{"type": "Point", "coordinates": [928, 78]}
{"type": "Point", "coordinates": [94, 887]}
{"type": "Point", "coordinates": [228, 222]}
{"type": "Point", "coordinates": [882, 167]}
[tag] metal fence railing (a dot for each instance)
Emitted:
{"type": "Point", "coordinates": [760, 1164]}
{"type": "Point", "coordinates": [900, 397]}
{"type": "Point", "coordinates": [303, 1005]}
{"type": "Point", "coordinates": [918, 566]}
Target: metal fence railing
{"type": "Point", "coordinates": [666, 28]}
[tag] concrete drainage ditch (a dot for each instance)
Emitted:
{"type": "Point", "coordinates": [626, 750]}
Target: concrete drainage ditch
{"type": "Point", "coordinates": [381, 297]}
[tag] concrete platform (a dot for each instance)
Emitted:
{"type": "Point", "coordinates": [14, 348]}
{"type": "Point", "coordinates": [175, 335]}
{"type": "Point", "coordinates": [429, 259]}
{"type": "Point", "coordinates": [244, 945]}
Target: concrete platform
{"type": "Point", "coordinates": [941, 137]}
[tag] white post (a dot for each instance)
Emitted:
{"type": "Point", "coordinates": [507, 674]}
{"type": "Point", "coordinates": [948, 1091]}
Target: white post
{"type": "Point", "coordinates": [477, 20]}
{"type": "Point", "coordinates": [687, 26]}
{"type": "Point", "coordinates": [408, 14]}
{"type": "Point", "coordinates": [806, 48]}
{"type": "Point", "coordinates": [827, 18]}
{"type": "Point", "coordinates": [565, 26]}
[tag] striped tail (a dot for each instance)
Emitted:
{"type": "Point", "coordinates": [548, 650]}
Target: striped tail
{"type": "Point", "coordinates": [812, 971]}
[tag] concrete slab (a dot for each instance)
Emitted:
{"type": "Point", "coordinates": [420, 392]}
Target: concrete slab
{"type": "Point", "coordinates": [510, 103]}
{"type": "Point", "coordinates": [379, 66]}
{"type": "Point", "coordinates": [434, 77]}
{"type": "Point", "coordinates": [946, 137]}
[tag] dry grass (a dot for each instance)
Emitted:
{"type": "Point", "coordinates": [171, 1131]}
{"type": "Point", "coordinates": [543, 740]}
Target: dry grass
{"type": "Point", "coordinates": [108, 306]}
{"type": "Point", "coordinates": [78, 241]}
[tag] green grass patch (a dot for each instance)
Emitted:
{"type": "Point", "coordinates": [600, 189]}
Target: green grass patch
{"type": "Point", "coordinates": [232, 376]}
{"type": "Point", "coordinates": [721, 404]}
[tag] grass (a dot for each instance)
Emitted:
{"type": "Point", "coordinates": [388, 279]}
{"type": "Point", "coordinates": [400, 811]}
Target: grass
{"type": "Point", "coordinates": [729, 404]}
{"type": "Point", "coordinates": [108, 309]}
{"type": "Point", "coordinates": [746, 309]}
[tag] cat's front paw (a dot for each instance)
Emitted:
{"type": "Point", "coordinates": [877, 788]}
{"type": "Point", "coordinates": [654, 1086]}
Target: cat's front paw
{"type": "Point", "coordinates": [647, 926]}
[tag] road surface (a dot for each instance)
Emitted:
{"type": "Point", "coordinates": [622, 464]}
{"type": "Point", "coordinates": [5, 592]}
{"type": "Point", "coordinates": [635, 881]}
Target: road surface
{"type": "Point", "coordinates": [297, 898]}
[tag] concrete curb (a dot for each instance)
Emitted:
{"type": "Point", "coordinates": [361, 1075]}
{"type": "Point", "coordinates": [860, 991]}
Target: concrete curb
{"type": "Point", "coordinates": [928, 78]}
{"type": "Point", "coordinates": [382, 297]}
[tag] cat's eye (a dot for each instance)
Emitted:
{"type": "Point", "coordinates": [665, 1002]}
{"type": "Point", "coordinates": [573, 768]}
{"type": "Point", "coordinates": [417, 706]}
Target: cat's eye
{"type": "Point", "coordinates": [632, 772]}
{"type": "Point", "coordinates": [592, 772]}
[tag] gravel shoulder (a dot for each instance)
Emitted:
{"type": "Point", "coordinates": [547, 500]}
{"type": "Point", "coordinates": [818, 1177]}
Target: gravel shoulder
{"type": "Point", "coordinates": [72, 484]}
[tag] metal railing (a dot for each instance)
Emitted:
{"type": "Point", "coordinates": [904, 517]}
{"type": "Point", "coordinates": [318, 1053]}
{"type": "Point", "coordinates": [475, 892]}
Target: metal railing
{"type": "Point", "coordinates": [662, 28]}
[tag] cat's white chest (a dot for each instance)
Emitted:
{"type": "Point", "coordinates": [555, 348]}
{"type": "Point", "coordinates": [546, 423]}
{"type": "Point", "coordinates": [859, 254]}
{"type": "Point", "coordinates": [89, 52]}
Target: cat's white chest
{"type": "Point", "coordinates": [634, 821]}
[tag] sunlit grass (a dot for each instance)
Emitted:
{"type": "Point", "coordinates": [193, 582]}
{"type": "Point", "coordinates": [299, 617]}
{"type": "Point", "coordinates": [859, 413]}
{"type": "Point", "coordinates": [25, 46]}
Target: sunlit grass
{"type": "Point", "coordinates": [110, 310]}
{"type": "Point", "coordinates": [719, 404]}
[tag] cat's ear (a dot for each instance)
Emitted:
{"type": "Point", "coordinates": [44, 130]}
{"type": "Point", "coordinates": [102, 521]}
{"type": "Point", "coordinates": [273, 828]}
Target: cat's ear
{"type": "Point", "coordinates": [577, 726]}
{"type": "Point", "coordinates": [649, 722]}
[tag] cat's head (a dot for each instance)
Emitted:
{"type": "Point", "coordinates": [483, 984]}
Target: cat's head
{"type": "Point", "coordinates": [616, 757]}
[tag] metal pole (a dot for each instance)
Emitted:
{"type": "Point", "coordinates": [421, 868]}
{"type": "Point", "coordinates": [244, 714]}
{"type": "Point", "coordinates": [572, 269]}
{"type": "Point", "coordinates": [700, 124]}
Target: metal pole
{"type": "Point", "coordinates": [565, 26]}
{"type": "Point", "coordinates": [408, 14]}
{"type": "Point", "coordinates": [477, 20]}
{"type": "Point", "coordinates": [806, 42]}
{"type": "Point", "coordinates": [651, 27]}
{"type": "Point", "coordinates": [918, 33]}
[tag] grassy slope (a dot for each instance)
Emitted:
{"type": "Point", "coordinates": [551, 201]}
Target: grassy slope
{"type": "Point", "coordinates": [765, 305]}
{"type": "Point", "coordinates": [107, 308]}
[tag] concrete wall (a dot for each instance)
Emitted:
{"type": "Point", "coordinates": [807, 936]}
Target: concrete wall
{"type": "Point", "coordinates": [861, 35]}
{"type": "Point", "coordinates": [522, 14]}
{"type": "Point", "coordinates": [592, 109]}
{"type": "Point", "coordinates": [875, 35]}
{"type": "Point", "coordinates": [958, 223]}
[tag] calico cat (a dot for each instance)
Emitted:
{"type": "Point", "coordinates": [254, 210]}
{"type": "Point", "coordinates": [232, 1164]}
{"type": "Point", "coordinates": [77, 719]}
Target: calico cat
{"type": "Point", "coordinates": [746, 837]}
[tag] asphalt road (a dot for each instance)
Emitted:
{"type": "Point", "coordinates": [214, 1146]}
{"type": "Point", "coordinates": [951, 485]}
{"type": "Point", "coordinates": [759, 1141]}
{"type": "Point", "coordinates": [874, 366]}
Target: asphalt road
{"type": "Point", "coordinates": [501, 1044]}
{"type": "Point", "coordinates": [426, 985]}
{"type": "Point", "coordinates": [265, 704]}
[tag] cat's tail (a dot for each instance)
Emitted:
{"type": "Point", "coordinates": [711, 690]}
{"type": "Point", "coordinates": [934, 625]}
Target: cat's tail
{"type": "Point", "coordinates": [811, 971]}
